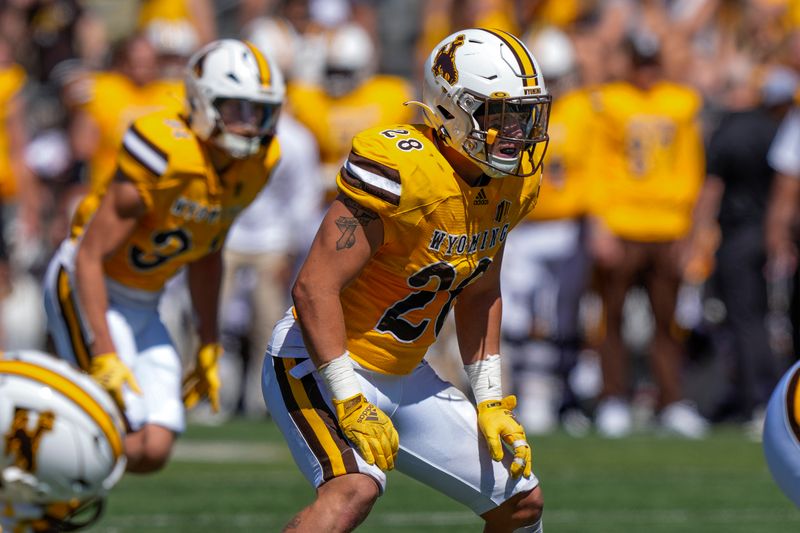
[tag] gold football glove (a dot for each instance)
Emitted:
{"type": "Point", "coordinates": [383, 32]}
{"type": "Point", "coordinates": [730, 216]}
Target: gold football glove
{"type": "Point", "coordinates": [497, 422]}
{"type": "Point", "coordinates": [203, 381]}
{"type": "Point", "coordinates": [370, 429]}
{"type": "Point", "coordinates": [111, 373]}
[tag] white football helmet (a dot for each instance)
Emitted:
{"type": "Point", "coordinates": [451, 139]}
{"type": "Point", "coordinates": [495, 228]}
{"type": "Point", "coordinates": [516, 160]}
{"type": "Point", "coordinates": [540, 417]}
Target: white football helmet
{"type": "Point", "coordinates": [485, 96]}
{"type": "Point", "coordinates": [349, 59]}
{"type": "Point", "coordinates": [176, 37]}
{"type": "Point", "coordinates": [227, 70]}
{"type": "Point", "coordinates": [62, 439]}
{"type": "Point", "coordinates": [555, 52]}
{"type": "Point", "coordinates": [276, 38]}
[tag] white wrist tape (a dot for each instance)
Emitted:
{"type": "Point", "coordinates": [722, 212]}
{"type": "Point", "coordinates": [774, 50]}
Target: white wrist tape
{"type": "Point", "coordinates": [485, 378]}
{"type": "Point", "coordinates": [340, 377]}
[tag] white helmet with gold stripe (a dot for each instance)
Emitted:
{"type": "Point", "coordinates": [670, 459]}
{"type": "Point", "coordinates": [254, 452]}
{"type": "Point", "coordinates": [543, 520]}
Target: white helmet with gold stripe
{"type": "Point", "coordinates": [231, 77]}
{"type": "Point", "coordinates": [62, 439]}
{"type": "Point", "coordinates": [484, 94]}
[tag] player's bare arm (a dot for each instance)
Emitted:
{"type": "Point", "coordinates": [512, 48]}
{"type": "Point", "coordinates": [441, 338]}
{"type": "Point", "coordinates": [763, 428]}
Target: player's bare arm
{"type": "Point", "coordinates": [347, 225]}
{"type": "Point", "coordinates": [478, 312]}
{"type": "Point", "coordinates": [204, 277]}
{"type": "Point", "coordinates": [347, 238]}
{"type": "Point", "coordinates": [115, 219]}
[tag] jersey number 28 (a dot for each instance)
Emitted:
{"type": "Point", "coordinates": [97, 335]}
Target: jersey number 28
{"type": "Point", "coordinates": [392, 320]}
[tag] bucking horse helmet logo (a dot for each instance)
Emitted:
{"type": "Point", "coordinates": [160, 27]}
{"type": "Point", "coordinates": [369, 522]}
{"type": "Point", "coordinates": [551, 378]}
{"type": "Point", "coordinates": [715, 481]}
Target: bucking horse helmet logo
{"type": "Point", "coordinates": [445, 63]}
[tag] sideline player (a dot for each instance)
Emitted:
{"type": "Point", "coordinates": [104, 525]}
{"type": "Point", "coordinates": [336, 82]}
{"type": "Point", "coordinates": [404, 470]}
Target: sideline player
{"type": "Point", "coordinates": [418, 227]}
{"type": "Point", "coordinates": [781, 440]}
{"type": "Point", "coordinates": [180, 182]}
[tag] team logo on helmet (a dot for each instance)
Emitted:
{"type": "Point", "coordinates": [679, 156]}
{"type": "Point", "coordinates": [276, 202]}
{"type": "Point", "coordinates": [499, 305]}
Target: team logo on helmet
{"type": "Point", "coordinates": [22, 442]}
{"type": "Point", "coordinates": [445, 63]}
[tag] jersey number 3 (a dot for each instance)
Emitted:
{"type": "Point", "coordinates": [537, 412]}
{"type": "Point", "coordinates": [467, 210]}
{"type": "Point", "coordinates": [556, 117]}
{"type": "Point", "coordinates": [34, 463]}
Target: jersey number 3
{"type": "Point", "coordinates": [392, 321]}
{"type": "Point", "coordinates": [166, 245]}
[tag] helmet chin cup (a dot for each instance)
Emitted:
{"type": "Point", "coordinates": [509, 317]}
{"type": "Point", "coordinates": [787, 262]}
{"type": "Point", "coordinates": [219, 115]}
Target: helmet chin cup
{"type": "Point", "coordinates": [498, 167]}
{"type": "Point", "coordinates": [237, 146]}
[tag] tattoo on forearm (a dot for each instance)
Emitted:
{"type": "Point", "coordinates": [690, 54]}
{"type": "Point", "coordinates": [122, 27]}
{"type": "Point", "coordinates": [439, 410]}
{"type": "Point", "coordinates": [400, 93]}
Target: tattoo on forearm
{"type": "Point", "coordinates": [293, 524]}
{"type": "Point", "coordinates": [348, 225]}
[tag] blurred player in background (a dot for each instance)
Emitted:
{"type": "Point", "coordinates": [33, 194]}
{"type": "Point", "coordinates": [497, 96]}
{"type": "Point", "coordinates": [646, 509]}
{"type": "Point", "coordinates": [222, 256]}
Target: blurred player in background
{"type": "Point", "coordinates": [16, 180]}
{"type": "Point", "coordinates": [270, 237]}
{"type": "Point", "coordinates": [180, 182]}
{"type": "Point", "coordinates": [650, 153]}
{"type": "Point", "coordinates": [734, 202]}
{"type": "Point", "coordinates": [347, 97]}
{"type": "Point", "coordinates": [546, 260]}
{"type": "Point", "coordinates": [114, 99]}
{"type": "Point", "coordinates": [782, 434]}
{"type": "Point", "coordinates": [419, 227]}
{"type": "Point", "coordinates": [63, 441]}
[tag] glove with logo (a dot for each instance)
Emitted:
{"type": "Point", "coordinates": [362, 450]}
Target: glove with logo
{"type": "Point", "coordinates": [498, 423]}
{"type": "Point", "coordinates": [368, 428]}
{"type": "Point", "coordinates": [203, 381]}
{"type": "Point", "coordinates": [112, 374]}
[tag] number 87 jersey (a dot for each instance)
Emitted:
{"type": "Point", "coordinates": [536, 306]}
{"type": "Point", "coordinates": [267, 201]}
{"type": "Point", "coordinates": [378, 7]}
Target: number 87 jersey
{"type": "Point", "coordinates": [439, 235]}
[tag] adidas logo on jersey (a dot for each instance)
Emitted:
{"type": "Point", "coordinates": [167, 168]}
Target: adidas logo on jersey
{"type": "Point", "coordinates": [481, 198]}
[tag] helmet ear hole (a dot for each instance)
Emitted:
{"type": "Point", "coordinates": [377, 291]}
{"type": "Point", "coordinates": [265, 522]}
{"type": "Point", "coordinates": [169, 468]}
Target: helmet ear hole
{"type": "Point", "coordinates": [445, 113]}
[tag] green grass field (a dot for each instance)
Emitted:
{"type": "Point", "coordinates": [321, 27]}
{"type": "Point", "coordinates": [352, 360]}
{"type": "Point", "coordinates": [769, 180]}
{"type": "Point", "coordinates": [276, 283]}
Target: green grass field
{"type": "Point", "coordinates": [240, 477]}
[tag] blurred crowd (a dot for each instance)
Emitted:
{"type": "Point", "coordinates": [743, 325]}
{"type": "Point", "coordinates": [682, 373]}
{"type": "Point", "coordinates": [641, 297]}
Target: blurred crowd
{"type": "Point", "coordinates": [655, 283]}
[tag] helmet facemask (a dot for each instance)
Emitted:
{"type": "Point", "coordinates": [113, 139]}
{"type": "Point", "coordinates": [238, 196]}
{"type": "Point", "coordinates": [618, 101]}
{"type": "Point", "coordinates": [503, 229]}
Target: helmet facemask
{"type": "Point", "coordinates": [243, 126]}
{"type": "Point", "coordinates": [484, 95]}
{"type": "Point", "coordinates": [509, 134]}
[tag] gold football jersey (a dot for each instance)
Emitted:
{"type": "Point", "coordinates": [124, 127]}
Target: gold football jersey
{"type": "Point", "coordinates": [650, 162]}
{"type": "Point", "coordinates": [440, 235]}
{"type": "Point", "coordinates": [566, 165]}
{"type": "Point", "coordinates": [151, 10]}
{"type": "Point", "coordinates": [189, 207]}
{"type": "Point", "coordinates": [12, 80]}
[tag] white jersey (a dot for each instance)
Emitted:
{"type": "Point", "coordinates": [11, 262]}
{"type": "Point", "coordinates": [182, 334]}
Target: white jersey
{"type": "Point", "coordinates": [285, 215]}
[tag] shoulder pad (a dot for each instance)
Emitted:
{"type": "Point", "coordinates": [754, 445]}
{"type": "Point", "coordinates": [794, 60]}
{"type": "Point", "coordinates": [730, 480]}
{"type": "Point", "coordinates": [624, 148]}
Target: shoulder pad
{"type": "Point", "coordinates": [382, 171]}
{"type": "Point", "coordinates": [161, 143]}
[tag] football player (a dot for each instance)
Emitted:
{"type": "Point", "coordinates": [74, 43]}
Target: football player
{"type": "Point", "coordinates": [651, 151]}
{"type": "Point", "coordinates": [114, 99]}
{"type": "Point", "coordinates": [181, 179]}
{"type": "Point", "coordinates": [348, 98]}
{"type": "Point", "coordinates": [782, 434]}
{"type": "Point", "coordinates": [418, 228]}
{"type": "Point", "coordinates": [546, 261]}
{"type": "Point", "coordinates": [57, 427]}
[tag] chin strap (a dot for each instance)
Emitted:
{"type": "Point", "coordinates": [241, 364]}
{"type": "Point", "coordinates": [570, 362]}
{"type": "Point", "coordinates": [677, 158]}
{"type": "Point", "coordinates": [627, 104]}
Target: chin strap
{"type": "Point", "coordinates": [238, 146]}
